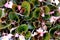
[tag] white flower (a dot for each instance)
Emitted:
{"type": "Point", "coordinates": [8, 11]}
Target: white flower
{"type": "Point", "coordinates": [56, 1]}
{"type": "Point", "coordinates": [21, 37]}
{"type": "Point", "coordinates": [10, 4]}
{"type": "Point", "coordinates": [53, 19]}
{"type": "Point", "coordinates": [9, 35]}
{"type": "Point", "coordinates": [39, 30]}
{"type": "Point", "coordinates": [3, 34]}
{"type": "Point", "coordinates": [5, 38]}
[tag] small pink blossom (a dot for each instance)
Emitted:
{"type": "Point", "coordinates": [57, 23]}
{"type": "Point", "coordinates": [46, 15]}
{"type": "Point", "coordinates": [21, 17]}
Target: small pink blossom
{"type": "Point", "coordinates": [43, 23]}
{"type": "Point", "coordinates": [9, 35]}
{"type": "Point", "coordinates": [16, 35]}
{"type": "Point", "coordinates": [3, 34]}
{"type": "Point", "coordinates": [8, 4]}
{"type": "Point", "coordinates": [19, 7]}
{"type": "Point", "coordinates": [53, 19]}
{"type": "Point", "coordinates": [41, 32]}
{"type": "Point", "coordinates": [58, 33]}
{"type": "Point", "coordinates": [52, 12]}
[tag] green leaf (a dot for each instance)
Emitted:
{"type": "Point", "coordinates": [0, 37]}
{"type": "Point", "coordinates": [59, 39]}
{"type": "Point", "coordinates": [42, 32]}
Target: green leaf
{"type": "Point", "coordinates": [36, 13]}
{"type": "Point", "coordinates": [7, 10]}
{"type": "Point", "coordinates": [48, 24]}
{"type": "Point", "coordinates": [35, 2]}
{"type": "Point", "coordinates": [22, 28]}
{"type": "Point", "coordinates": [26, 5]}
{"type": "Point", "coordinates": [2, 2]}
{"type": "Point", "coordinates": [29, 17]}
{"type": "Point", "coordinates": [28, 34]}
{"type": "Point", "coordinates": [52, 7]}
{"type": "Point", "coordinates": [52, 30]}
{"type": "Point", "coordinates": [46, 17]}
{"type": "Point", "coordinates": [0, 12]}
{"type": "Point", "coordinates": [46, 9]}
{"type": "Point", "coordinates": [13, 16]}
{"type": "Point", "coordinates": [31, 26]}
{"type": "Point", "coordinates": [56, 13]}
{"type": "Point", "coordinates": [58, 26]}
{"type": "Point", "coordinates": [18, 2]}
{"type": "Point", "coordinates": [14, 6]}
{"type": "Point", "coordinates": [3, 27]}
{"type": "Point", "coordinates": [46, 36]}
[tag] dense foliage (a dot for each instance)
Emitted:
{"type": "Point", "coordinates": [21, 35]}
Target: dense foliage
{"type": "Point", "coordinates": [31, 19]}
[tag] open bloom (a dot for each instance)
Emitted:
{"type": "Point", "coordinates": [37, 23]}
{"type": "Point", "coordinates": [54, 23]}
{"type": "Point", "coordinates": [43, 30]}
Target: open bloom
{"type": "Point", "coordinates": [9, 35]}
{"type": "Point", "coordinates": [8, 4]}
{"type": "Point", "coordinates": [41, 31]}
{"type": "Point", "coordinates": [5, 38]}
{"type": "Point", "coordinates": [53, 19]}
{"type": "Point", "coordinates": [19, 7]}
{"type": "Point", "coordinates": [55, 1]}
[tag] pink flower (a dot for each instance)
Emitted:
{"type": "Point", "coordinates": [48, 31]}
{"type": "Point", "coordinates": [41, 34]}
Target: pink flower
{"type": "Point", "coordinates": [58, 33]}
{"type": "Point", "coordinates": [41, 32]}
{"type": "Point", "coordinates": [5, 38]}
{"type": "Point", "coordinates": [19, 7]}
{"type": "Point", "coordinates": [9, 35]}
{"type": "Point", "coordinates": [52, 12]}
{"type": "Point", "coordinates": [3, 34]}
{"type": "Point", "coordinates": [59, 9]}
{"type": "Point", "coordinates": [8, 4]}
{"type": "Point", "coordinates": [16, 35]}
{"type": "Point", "coordinates": [53, 19]}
